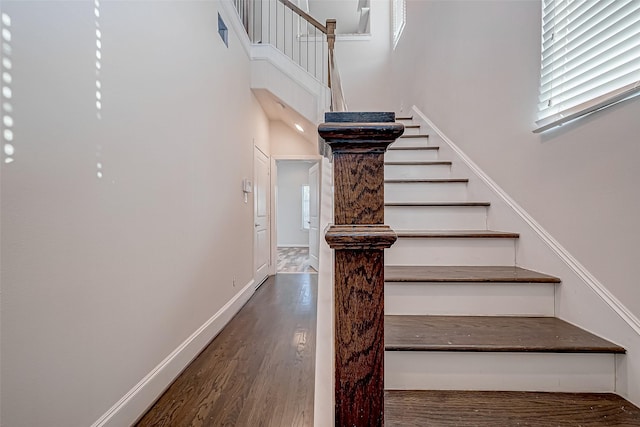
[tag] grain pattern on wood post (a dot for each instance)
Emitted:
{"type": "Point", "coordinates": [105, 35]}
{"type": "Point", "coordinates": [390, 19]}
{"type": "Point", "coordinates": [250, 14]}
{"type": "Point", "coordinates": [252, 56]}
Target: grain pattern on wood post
{"type": "Point", "coordinates": [359, 237]}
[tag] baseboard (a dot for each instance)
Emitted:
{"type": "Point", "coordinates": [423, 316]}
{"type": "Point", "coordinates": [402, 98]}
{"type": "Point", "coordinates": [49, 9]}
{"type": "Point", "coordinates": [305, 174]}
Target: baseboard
{"type": "Point", "coordinates": [573, 264]}
{"type": "Point", "coordinates": [133, 404]}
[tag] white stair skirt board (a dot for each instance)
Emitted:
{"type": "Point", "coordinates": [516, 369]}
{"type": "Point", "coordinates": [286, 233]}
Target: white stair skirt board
{"type": "Point", "coordinates": [553, 372]}
{"type": "Point", "coordinates": [436, 217]}
{"type": "Point", "coordinates": [469, 299]}
{"type": "Point", "coordinates": [451, 251]}
{"type": "Point", "coordinates": [410, 155]}
{"type": "Point", "coordinates": [425, 191]}
{"type": "Point", "coordinates": [417, 171]}
{"type": "Point", "coordinates": [411, 142]}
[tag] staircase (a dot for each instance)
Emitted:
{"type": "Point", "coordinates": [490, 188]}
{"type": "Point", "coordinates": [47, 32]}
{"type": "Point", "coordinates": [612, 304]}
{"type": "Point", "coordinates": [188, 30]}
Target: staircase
{"type": "Point", "coordinates": [463, 320]}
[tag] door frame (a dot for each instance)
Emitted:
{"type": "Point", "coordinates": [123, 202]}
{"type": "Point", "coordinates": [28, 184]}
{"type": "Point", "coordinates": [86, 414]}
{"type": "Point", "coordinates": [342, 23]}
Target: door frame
{"type": "Point", "coordinates": [274, 182]}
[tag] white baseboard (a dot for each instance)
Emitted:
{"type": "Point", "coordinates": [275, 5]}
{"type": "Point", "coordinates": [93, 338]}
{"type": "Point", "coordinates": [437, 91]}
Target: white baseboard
{"type": "Point", "coordinates": [133, 404]}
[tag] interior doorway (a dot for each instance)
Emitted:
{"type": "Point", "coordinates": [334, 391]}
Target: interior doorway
{"type": "Point", "coordinates": [296, 217]}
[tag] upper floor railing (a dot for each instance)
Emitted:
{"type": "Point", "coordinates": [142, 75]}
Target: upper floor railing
{"type": "Point", "coordinates": [298, 35]}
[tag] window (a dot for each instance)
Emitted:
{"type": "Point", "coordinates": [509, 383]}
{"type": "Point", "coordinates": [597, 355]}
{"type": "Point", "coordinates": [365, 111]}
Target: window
{"type": "Point", "coordinates": [305, 207]}
{"type": "Point", "coordinates": [399, 19]}
{"type": "Point", "coordinates": [590, 57]}
{"type": "Point", "coordinates": [223, 31]}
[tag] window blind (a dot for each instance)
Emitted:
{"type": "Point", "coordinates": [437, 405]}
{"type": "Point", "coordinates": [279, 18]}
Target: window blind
{"type": "Point", "coordinates": [399, 19]}
{"type": "Point", "coordinates": [590, 57]}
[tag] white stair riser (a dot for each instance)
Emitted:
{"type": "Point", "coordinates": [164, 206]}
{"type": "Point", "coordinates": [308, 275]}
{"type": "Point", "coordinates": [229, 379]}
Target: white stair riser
{"type": "Point", "coordinates": [425, 192]}
{"type": "Point", "coordinates": [411, 142]}
{"type": "Point", "coordinates": [469, 299]}
{"type": "Point", "coordinates": [552, 372]}
{"type": "Point", "coordinates": [451, 251]}
{"type": "Point", "coordinates": [436, 217]}
{"type": "Point", "coordinates": [410, 155]}
{"type": "Point", "coordinates": [416, 171]}
{"type": "Point", "coordinates": [411, 131]}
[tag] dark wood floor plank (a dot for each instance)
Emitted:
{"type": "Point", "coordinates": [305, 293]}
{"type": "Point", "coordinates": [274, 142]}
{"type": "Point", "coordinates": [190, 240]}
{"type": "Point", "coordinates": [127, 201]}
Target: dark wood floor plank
{"type": "Point", "coordinates": [498, 409]}
{"type": "Point", "coordinates": [464, 273]}
{"type": "Point", "coordinates": [491, 333]}
{"type": "Point", "coordinates": [259, 371]}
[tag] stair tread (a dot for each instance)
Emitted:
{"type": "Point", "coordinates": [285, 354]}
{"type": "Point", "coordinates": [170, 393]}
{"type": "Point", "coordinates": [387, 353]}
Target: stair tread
{"type": "Point", "coordinates": [490, 334]}
{"type": "Point", "coordinates": [465, 273]}
{"type": "Point", "coordinates": [474, 234]}
{"type": "Point", "coordinates": [412, 148]}
{"type": "Point", "coordinates": [434, 180]}
{"type": "Point", "coordinates": [437, 204]}
{"type": "Point", "coordinates": [419, 162]}
{"type": "Point", "coordinates": [449, 408]}
{"type": "Point", "coordinates": [423, 135]}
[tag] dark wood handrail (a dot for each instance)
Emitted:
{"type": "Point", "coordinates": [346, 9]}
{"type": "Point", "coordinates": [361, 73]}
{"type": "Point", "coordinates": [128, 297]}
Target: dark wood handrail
{"type": "Point", "coordinates": [358, 142]}
{"type": "Point", "coordinates": [310, 19]}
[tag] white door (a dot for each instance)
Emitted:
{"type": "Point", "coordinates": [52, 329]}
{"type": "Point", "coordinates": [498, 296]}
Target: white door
{"type": "Point", "coordinates": [262, 234]}
{"type": "Point", "coordinates": [314, 216]}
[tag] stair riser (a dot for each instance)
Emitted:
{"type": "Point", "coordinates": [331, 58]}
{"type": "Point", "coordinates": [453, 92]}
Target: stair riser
{"type": "Point", "coordinates": [411, 142]}
{"type": "Point", "coordinates": [451, 251]}
{"type": "Point", "coordinates": [425, 192]}
{"type": "Point", "coordinates": [411, 131]}
{"type": "Point", "coordinates": [436, 218]}
{"type": "Point", "coordinates": [469, 299]}
{"type": "Point", "coordinates": [411, 155]}
{"type": "Point", "coordinates": [553, 372]}
{"type": "Point", "coordinates": [416, 171]}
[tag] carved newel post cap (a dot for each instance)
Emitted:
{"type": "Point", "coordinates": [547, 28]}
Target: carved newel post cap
{"type": "Point", "coordinates": [360, 132]}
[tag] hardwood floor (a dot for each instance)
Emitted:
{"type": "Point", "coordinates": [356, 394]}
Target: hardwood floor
{"type": "Point", "coordinates": [259, 371]}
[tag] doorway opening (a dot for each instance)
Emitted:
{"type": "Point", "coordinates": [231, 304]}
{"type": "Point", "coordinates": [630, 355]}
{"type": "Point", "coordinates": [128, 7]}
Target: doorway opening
{"type": "Point", "coordinates": [297, 216]}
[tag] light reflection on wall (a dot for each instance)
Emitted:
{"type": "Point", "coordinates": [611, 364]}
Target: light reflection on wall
{"type": "Point", "coordinates": [7, 93]}
{"type": "Point", "coordinates": [96, 12]}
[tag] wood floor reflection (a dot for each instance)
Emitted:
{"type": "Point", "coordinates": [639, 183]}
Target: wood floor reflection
{"type": "Point", "coordinates": [259, 371]}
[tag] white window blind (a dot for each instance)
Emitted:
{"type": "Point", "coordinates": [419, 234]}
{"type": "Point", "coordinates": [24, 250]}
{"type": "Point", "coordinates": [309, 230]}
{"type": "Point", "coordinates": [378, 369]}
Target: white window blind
{"type": "Point", "coordinates": [590, 57]}
{"type": "Point", "coordinates": [399, 19]}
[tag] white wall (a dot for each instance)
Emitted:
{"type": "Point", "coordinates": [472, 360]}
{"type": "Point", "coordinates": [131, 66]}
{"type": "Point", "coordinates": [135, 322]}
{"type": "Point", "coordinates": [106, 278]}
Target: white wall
{"type": "Point", "coordinates": [364, 63]}
{"type": "Point", "coordinates": [472, 67]}
{"type": "Point", "coordinates": [292, 175]}
{"type": "Point", "coordinates": [103, 278]}
{"type": "Point", "coordinates": [284, 141]}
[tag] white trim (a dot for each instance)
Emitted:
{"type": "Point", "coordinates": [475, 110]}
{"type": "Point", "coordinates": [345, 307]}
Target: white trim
{"type": "Point", "coordinates": [137, 400]}
{"type": "Point", "coordinates": [556, 247]}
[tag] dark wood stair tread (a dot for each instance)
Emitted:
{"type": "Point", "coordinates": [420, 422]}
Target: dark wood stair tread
{"type": "Point", "coordinates": [471, 234]}
{"type": "Point", "coordinates": [465, 273]}
{"type": "Point", "coordinates": [431, 180]}
{"type": "Point", "coordinates": [437, 204]}
{"type": "Point", "coordinates": [391, 147]}
{"type": "Point", "coordinates": [490, 334]}
{"type": "Point", "coordinates": [454, 408]}
{"type": "Point", "coordinates": [424, 135]}
{"type": "Point", "coordinates": [419, 163]}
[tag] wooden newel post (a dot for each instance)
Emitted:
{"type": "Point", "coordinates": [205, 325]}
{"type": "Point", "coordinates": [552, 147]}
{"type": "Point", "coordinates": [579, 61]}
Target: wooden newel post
{"type": "Point", "coordinates": [358, 142]}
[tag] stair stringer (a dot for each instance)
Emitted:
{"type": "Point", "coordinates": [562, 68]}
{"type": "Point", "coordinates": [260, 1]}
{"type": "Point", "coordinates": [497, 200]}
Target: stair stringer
{"type": "Point", "coordinates": [581, 299]}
